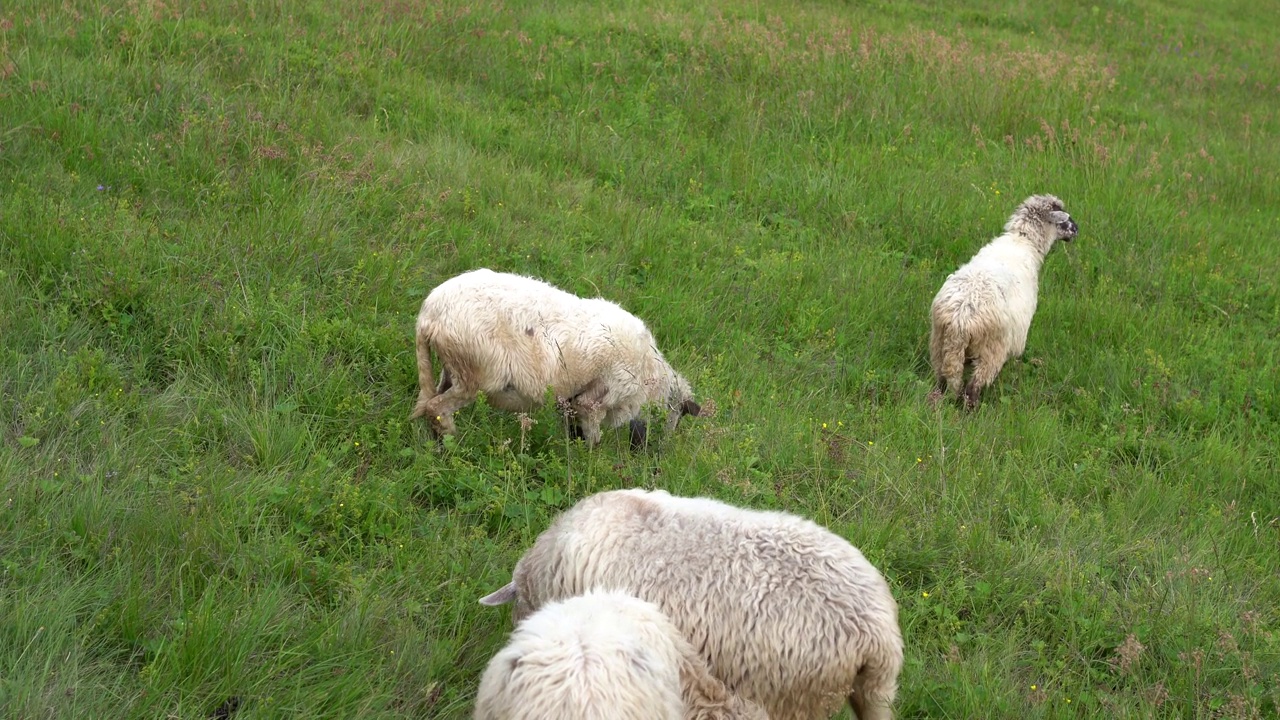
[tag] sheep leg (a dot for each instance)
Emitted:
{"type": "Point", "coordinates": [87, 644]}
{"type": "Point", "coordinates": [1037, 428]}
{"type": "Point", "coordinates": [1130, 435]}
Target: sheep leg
{"type": "Point", "coordinates": [948, 347]}
{"type": "Point", "coordinates": [872, 698]}
{"type": "Point", "coordinates": [985, 370]}
{"type": "Point", "coordinates": [875, 687]}
{"type": "Point", "coordinates": [440, 409]}
{"type": "Point", "coordinates": [936, 359]}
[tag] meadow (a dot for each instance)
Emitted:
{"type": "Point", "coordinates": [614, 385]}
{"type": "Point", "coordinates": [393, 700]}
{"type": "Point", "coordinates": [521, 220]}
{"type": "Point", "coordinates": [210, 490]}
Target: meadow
{"type": "Point", "coordinates": [218, 220]}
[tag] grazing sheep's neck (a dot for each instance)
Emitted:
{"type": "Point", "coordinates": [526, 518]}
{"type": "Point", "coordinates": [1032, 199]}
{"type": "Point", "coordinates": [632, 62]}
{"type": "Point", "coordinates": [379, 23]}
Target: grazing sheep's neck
{"type": "Point", "coordinates": [1033, 233]}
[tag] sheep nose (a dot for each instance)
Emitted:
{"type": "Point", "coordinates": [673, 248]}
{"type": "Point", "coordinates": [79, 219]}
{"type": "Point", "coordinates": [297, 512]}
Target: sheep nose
{"type": "Point", "coordinates": [1072, 227]}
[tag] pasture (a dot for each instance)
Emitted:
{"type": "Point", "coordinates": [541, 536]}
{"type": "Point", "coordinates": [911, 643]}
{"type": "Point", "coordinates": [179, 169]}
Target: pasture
{"type": "Point", "coordinates": [218, 221]}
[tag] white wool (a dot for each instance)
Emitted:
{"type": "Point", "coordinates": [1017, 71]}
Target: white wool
{"type": "Point", "coordinates": [983, 311]}
{"type": "Point", "coordinates": [784, 612]}
{"type": "Point", "coordinates": [602, 656]}
{"type": "Point", "coordinates": [513, 337]}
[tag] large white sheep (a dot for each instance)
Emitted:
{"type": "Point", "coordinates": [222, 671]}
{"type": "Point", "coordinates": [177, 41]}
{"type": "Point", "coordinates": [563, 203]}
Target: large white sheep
{"type": "Point", "coordinates": [513, 337]}
{"type": "Point", "coordinates": [785, 612]}
{"type": "Point", "coordinates": [603, 655]}
{"type": "Point", "coordinates": [984, 309]}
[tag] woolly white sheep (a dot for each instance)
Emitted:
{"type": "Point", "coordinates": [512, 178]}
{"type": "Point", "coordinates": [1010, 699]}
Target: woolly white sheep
{"type": "Point", "coordinates": [603, 656]}
{"type": "Point", "coordinates": [513, 337]}
{"type": "Point", "coordinates": [785, 612]}
{"type": "Point", "coordinates": [984, 309]}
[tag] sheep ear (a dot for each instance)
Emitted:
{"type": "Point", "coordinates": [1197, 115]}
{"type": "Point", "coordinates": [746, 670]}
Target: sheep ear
{"type": "Point", "coordinates": [689, 407]}
{"type": "Point", "coordinates": [501, 596]}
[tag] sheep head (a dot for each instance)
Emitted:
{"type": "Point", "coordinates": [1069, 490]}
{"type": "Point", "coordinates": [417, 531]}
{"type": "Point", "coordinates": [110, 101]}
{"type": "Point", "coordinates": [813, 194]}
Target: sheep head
{"type": "Point", "coordinates": [1044, 219]}
{"type": "Point", "coordinates": [679, 402]}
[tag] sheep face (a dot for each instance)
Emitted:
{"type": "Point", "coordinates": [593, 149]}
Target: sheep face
{"type": "Point", "coordinates": [1063, 226]}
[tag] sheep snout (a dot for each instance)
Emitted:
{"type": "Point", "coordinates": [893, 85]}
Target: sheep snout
{"type": "Point", "coordinates": [639, 434]}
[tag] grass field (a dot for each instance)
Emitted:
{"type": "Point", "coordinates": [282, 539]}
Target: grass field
{"type": "Point", "coordinates": [218, 220]}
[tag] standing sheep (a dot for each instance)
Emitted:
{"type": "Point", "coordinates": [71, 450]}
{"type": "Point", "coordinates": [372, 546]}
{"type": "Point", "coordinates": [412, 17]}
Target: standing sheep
{"type": "Point", "coordinates": [603, 656]}
{"type": "Point", "coordinates": [513, 337]}
{"type": "Point", "coordinates": [984, 309]}
{"type": "Point", "coordinates": [785, 612]}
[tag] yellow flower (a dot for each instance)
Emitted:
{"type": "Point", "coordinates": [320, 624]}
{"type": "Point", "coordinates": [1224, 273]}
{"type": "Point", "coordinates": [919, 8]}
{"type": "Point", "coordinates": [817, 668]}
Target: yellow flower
{"type": "Point", "coordinates": [1033, 687]}
{"type": "Point", "coordinates": [924, 594]}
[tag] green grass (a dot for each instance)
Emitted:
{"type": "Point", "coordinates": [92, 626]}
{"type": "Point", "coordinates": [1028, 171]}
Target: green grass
{"type": "Point", "coordinates": [217, 221]}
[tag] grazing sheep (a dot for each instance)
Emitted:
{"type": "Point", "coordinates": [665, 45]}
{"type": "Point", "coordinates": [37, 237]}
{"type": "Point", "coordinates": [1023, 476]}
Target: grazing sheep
{"type": "Point", "coordinates": [785, 612]}
{"type": "Point", "coordinates": [984, 309]}
{"type": "Point", "coordinates": [513, 337]}
{"type": "Point", "coordinates": [603, 656]}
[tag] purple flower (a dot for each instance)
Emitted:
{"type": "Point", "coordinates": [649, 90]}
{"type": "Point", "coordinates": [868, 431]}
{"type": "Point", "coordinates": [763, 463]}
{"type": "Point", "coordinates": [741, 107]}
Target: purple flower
{"type": "Point", "coordinates": [99, 188]}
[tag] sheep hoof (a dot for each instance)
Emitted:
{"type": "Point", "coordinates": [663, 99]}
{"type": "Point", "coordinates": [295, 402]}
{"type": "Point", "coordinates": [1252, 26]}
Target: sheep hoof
{"type": "Point", "coordinates": [575, 432]}
{"type": "Point", "coordinates": [639, 434]}
{"type": "Point", "coordinates": [971, 398]}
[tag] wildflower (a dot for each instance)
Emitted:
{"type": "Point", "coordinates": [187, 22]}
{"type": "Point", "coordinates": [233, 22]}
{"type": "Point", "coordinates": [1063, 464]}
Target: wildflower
{"type": "Point", "coordinates": [1128, 652]}
{"type": "Point", "coordinates": [871, 442]}
{"type": "Point", "coordinates": [824, 426]}
{"type": "Point", "coordinates": [924, 594]}
{"type": "Point", "coordinates": [919, 460]}
{"type": "Point", "coordinates": [1033, 687]}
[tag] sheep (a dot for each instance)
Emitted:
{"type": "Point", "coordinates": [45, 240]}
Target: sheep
{"type": "Point", "coordinates": [785, 613]}
{"type": "Point", "coordinates": [984, 309]}
{"type": "Point", "coordinates": [603, 655]}
{"type": "Point", "coordinates": [513, 337]}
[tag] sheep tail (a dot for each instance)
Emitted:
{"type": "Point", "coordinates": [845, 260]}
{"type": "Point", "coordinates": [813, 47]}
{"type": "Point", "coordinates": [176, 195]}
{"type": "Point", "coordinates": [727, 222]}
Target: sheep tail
{"type": "Point", "coordinates": [426, 382]}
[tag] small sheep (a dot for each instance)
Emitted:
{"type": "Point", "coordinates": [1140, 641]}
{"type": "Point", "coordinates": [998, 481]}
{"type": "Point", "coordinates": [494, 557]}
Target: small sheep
{"type": "Point", "coordinates": [984, 309]}
{"type": "Point", "coordinates": [513, 337]}
{"type": "Point", "coordinates": [603, 656]}
{"type": "Point", "coordinates": [785, 612]}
